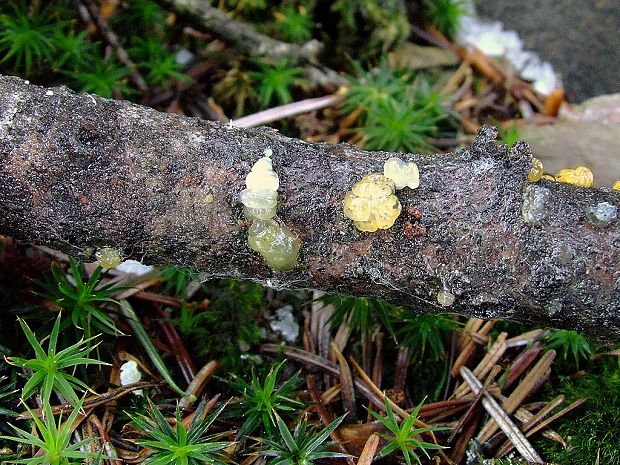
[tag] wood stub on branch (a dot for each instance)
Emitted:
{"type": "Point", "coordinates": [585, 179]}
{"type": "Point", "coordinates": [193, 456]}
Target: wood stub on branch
{"type": "Point", "coordinates": [78, 172]}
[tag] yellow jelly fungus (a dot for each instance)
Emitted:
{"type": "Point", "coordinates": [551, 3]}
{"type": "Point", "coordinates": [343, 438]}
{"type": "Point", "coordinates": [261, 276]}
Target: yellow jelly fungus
{"type": "Point", "coordinates": [278, 245]}
{"type": "Point", "coordinates": [445, 298]}
{"type": "Point", "coordinates": [580, 176]}
{"type": "Point", "coordinates": [108, 257]}
{"type": "Point", "coordinates": [536, 172]}
{"type": "Point", "coordinates": [616, 186]}
{"type": "Point", "coordinates": [371, 203]}
{"type": "Point", "coordinates": [404, 174]}
{"type": "Point", "coordinates": [548, 177]}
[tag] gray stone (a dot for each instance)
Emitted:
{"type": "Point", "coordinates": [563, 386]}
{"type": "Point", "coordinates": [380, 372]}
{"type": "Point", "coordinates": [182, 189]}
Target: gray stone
{"type": "Point", "coordinates": [580, 39]}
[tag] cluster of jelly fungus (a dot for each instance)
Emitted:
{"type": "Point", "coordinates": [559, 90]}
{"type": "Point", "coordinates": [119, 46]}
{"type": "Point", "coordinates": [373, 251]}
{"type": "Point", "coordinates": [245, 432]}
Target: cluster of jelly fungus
{"type": "Point", "coordinates": [616, 186]}
{"type": "Point", "coordinates": [371, 203]}
{"type": "Point", "coordinates": [601, 215]}
{"type": "Point", "coordinates": [404, 174]}
{"type": "Point", "coordinates": [580, 176]}
{"type": "Point", "coordinates": [276, 243]}
{"type": "Point", "coordinates": [536, 172]}
{"type": "Point", "coordinates": [108, 257]}
{"type": "Point", "coordinates": [260, 197]}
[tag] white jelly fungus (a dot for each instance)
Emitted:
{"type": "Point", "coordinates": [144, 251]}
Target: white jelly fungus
{"type": "Point", "coordinates": [404, 174]}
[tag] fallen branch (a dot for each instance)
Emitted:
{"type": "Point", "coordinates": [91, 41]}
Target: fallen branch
{"type": "Point", "coordinates": [78, 172]}
{"type": "Point", "coordinates": [247, 39]}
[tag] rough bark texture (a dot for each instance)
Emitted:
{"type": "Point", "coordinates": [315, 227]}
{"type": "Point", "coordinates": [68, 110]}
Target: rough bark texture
{"type": "Point", "coordinates": [78, 172]}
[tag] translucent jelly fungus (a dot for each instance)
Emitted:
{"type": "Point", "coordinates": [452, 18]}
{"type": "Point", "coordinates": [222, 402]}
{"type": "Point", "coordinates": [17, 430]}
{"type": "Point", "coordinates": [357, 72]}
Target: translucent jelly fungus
{"type": "Point", "coordinates": [276, 243]}
{"type": "Point", "coordinates": [445, 298]}
{"type": "Point", "coordinates": [260, 196]}
{"type": "Point", "coordinates": [580, 176]}
{"type": "Point", "coordinates": [536, 204]}
{"type": "Point", "coordinates": [601, 215]}
{"type": "Point", "coordinates": [548, 177]}
{"type": "Point", "coordinates": [108, 257]}
{"type": "Point", "coordinates": [404, 174]}
{"type": "Point", "coordinates": [371, 203]}
{"type": "Point", "coordinates": [616, 186]}
{"type": "Point", "coordinates": [536, 172]}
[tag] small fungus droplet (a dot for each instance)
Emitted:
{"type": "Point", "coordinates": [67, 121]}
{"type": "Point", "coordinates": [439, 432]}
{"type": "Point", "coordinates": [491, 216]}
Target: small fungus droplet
{"type": "Point", "coordinates": [616, 186]}
{"type": "Point", "coordinates": [536, 202]}
{"type": "Point", "coordinates": [601, 215]}
{"type": "Point", "coordinates": [580, 176]}
{"type": "Point", "coordinates": [404, 174]}
{"type": "Point", "coordinates": [108, 257]}
{"type": "Point", "coordinates": [209, 199]}
{"type": "Point", "coordinates": [49, 93]}
{"type": "Point", "coordinates": [536, 172]}
{"type": "Point", "coordinates": [371, 203]}
{"type": "Point", "coordinates": [445, 298]}
{"type": "Point", "coordinates": [278, 245]}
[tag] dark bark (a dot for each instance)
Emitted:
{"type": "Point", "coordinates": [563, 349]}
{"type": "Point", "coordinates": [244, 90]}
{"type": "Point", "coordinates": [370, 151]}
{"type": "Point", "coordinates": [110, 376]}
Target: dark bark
{"type": "Point", "coordinates": [78, 172]}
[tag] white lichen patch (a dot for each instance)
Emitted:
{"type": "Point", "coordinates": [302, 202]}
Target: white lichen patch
{"type": "Point", "coordinates": [601, 215]}
{"type": "Point", "coordinates": [130, 374]}
{"type": "Point", "coordinates": [134, 267]}
{"type": "Point", "coordinates": [108, 257]}
{"type": "Point", "coordinates": [536, 204]}
{"type": "Point", "coordinates": [483, 165]}
{"type": "Point", "coordinates": [284, 323]}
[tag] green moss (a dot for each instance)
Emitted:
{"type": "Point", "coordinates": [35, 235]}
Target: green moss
{"type": "Point", "coordinates": [591, 432]}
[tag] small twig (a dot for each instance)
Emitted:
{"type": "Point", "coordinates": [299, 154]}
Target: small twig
{"type": "Point", "coordinates": [369, 451]}
{"type": "Point", "coordinates": [197, 384]}
{"type": "Point", "coordinates": [112, 38]}
{"type": "Point", "coordinates": [346, 385]}
{"type": "Point", "coordinates": [285, 111]}
{"type": "Point", "coordinates": [324, 414]}
{"type": "Point", "coordinates": [93, 401]}
{"type": "Point", "coordinates": [503, 420]}
{"type": "Point", "coordinates": [541, 426]}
